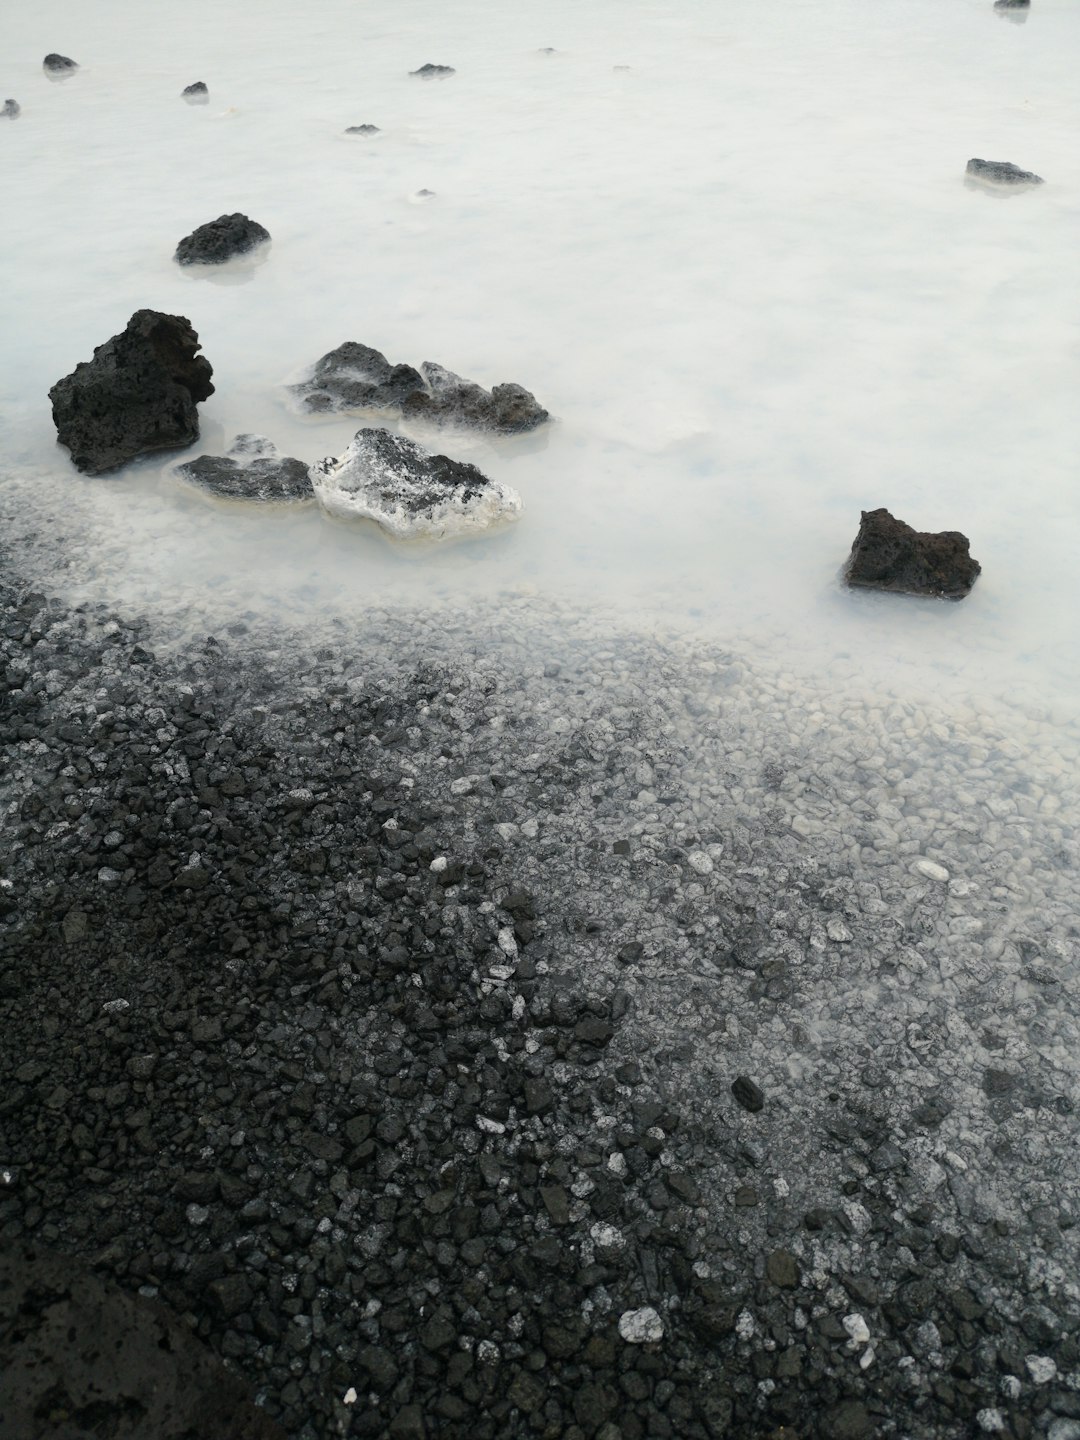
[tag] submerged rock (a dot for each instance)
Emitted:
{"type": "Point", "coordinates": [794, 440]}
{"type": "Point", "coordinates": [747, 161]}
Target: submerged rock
{"type": "Point", "coordinates": [433, 72]}
{"type": "Point", "coordinates": [1012, 4]}
{"type": "Point", "coordinates": [889, 555]}
{"type": "Point", "coordinates": [410, 492]}
{"type": "Point", "coordinates": [58, 64]}
{"type": "Point", "coordinates": [11, 109]}
{"type": "Point", "coordinates": [252, 470]}
{"type": "Point", "coordinates": [220, 240]}
{"type": "Point", "coordinates": [196, 92]}
{"type": "Point", "coordinates": [999, 175]}
{"type": "Point", "coordinates": [95, 1360]}
{"type": "Point", "coordinates": [137, 395]}
{"type": "Point", "coordinates": [356, 377]}
{"type": "Point", "coordinates": [362, 130]}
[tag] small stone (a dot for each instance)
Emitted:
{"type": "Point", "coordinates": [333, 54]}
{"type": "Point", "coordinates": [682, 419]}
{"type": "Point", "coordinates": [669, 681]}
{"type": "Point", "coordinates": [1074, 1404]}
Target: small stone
{"type": "Point", "coordinates": [999, 175]}
{"type": "Point", "coordinates": [10, 110]}
{"type": "Point", "coordinates": [782, 1269]}
{"type": "Point", "coordinates": [1041, 1368]}
{"type": "Point", "coordinates": [362, 130]}
{"type": "Point", "coordinates": [58, 64]}
{"type": "Point", "coordinates": [196, 91]}
{"type": "Point", "coordinates": [857, 1329]}
{"type": "Point", "coordinates": [699, 861]}
{"type": "Point", "coordinates": [641, 1327]}
{"type": "Point", "coordinates": [931, 870]}
{"type": "Point", "coordinates": [750, 1096]}
{"type": "Point", "coordinates": [433, 72]}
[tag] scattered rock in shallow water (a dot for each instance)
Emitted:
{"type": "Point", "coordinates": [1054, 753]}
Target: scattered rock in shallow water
{"type": "Point", "coordinates": [137, 395]}
{"type": "Point", "coordinates": [356, 377]}
{"type": "Point", "coordinates": [1012, 4]}
{"type": "Point", "coordinates": [196, 94]}
{"type": "Point", "coordinates": [889, 555]}
{"type": "Point", "coordinates": [55, 64]}
{"type": "Point", "coordinates": [999, 175]}
{"type": "Point", "coordinates": [220, 240]}
{"type": "Point", "coordinates": [252, 470]}
{"type": "Point", "coordinates": [11, 109]}
{"type": "Point", "coordinates": [750, 1096]}
{"type": "Point", "coordinates": [433, 72]}
{"type": "Point", "coordinates": [410, 492]}
{"type": "Point", "coordinates": [362, 130]}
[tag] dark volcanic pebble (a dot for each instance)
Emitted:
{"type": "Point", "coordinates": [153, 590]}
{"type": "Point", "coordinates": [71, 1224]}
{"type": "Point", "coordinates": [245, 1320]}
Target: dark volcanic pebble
{"type": "Point", "coordinates": [58, 64]}
{"type": "Point", "coordinates": [196, 91]}
{"type": "Point", "coordinates": [889, 555]}
{"type": "Point", "coordinates": [1001, 174]}
{"type": "Point", "coordinates": [750, 1096]}
{"type": "Point", "coordinates": [220, 240]}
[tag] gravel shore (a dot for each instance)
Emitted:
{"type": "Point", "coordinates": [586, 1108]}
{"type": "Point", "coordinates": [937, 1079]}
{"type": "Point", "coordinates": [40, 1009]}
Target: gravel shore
{"type": "Point", "coordinates": [482, 1037]}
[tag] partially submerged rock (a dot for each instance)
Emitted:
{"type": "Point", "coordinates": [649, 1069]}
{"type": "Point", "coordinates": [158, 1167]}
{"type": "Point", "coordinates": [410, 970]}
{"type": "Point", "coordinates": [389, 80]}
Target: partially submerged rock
{"type": "Point", "coordinates": [1012, 4]}
{"type": "Point", "coordinates": [11, 109]}
{"type": "Point", "coordinates": [433, 72]}
{"type": "Point", "coordinates": [356, 377]}
{"type": "Point", "coordinates": [81, 1357]}
{"type": "Point", "coordinates": [55, 64]}
{"type": "Point", "coordinates": [252, 470]}
{"type": "Point", "coordinates": [197, 93]}
{"type": "Point", "coordinates": [220, 240]}
{"type": "Point", "coordinates": [889, 555]}
{"type": "Point", "coordinates": [999, 175]}
{"type": "Point", "coordinates": [410, 492]}
{"type": "Point", "coordinates": [362, 130]}
{"type": "Point", "coordinates": [137, 395]}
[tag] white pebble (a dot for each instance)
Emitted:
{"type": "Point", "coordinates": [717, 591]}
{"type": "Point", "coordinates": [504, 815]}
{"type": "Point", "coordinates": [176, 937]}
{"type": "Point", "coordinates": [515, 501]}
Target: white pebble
{"type": "Point", "coordinates": [350, 1397]}
{"type": "Point", "coordinates": [641, 1327]}
{"type": "Point", "coordinates": [991, 1422]}
{"type": "Point", "coordinates": [1041, 1369]}
{"type": "Point", "coordinates": [857, 1329]}
{"type": "Point", "coordinates": [931, 871]}
{"type": "Point", "coordinates": [699, 861]}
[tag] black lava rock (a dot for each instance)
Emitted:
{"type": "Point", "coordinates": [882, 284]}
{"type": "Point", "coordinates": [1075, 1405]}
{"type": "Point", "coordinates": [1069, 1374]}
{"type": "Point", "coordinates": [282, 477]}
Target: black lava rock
{"type": "Point", "coordinates": [252, 470]}
{"type": "Point", "coordinates": [11, 109]}
{"type": "Point", "coordinates": [362, 130]}
{"type": "Point", "coordinates": [196, 91]}
{"type": "Point", "coordinates": [220, 240]}
{"type": "Point", "coordinates": [510, 409]}
{"type": "Point", "coordinates": [433, 72]}
{"type": "Point", "coordinates": [889, 555]}
{"type": "Point", "coordinates": [58, 64]}
{"type": "Point", "coordinates": [1012, 4]}
{"type": "Point", "coordinates": [999, 175]}
{"type": "Point", "coordinates": [136, 396]}
{"type": "Point", "coordinates": [750, 1096]}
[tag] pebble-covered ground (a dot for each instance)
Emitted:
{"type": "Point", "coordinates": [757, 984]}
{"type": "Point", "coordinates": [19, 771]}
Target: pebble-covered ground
{"type": "Point", "coordinates": [473, 1033]}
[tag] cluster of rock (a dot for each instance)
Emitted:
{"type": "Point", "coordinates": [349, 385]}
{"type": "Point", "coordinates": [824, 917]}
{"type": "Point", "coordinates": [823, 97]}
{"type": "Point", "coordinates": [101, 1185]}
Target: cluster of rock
{"type": "Point", "coordinates": [889, 555]}
{"type": "Point", "coordinates": [357, 377]}
{"type": "Point", "coordinates": [221, 240]}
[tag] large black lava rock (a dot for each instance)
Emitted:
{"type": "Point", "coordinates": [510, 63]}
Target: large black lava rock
{"type": "Point", "coordinates": [58, 64]}
{"type": "Point", "coordinates": [220, 240]}
{"type": "Point", "coordinates": [137, 395]}
{"type": "Point", "coordinates": [78, 1357]}
{"type": "Point", "coordinates": [889, 555]}
{"type": "Point", "coordinates": [999, 174]}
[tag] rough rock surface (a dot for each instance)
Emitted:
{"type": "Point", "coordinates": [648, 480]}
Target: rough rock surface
{"type": "Point", "coordinates": [136, 396]}
{"type": "Point", "coordinates": [78, 1357]}
{"type": "Point", "coordinates": [889, 555]}
{"type": "Point", "coordinates": [252, 470]}
{"type": "Point", "coordinates": [356, 377]}
{"type": "Point", "coordinates": [410, 492]}
{"type": "Point", "coordinates": [360, 1000]}
{"type": "Point", "coordinates": [999, 174]}
{"type": "Point", "coordinates": [11, 109]}
{"type": "Point", "coordinates": [433, 72]}
{"type": "Point", "coordinates": [58, 64]}
{"type": "Point", "coordinates": [197, 92]}
{"type": "Point", "coordinates": [220, 240]}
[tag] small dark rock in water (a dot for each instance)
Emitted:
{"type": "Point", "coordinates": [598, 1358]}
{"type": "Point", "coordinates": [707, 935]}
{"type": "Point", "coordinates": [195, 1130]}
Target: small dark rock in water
{"type": "Point", "coordinates": [197, 91]}
{"type": "Point", "coordinates": [137, 395]}
{"type": "Point", "coordinates": [11, 109]}
{"type": "Point", "coordinates": [57, 64]}
{"type": "Point", "coordinates": [999, 174]}
{"type": "Point", "coordinates": [889, 555]}
{"type": "Point", "coordinates": [220, 240]}
{"type": "Point", "coordinates": [362, 130]}
{"type": "Point", "coordinates": [750, 1096]}
{"type": "Point", "coordinates": [433, 72]}
{"type": "Point", "coordinates": [356, 377]}
{"type": "Point", "coordinates": [124, 1365]}
{"type": "Point", "coordinates": [252, 470]}
{"type": "Point", "coordinates": [1012, 4]}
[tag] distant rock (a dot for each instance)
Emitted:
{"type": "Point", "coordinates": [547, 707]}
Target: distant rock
{"type": "Point", "coordinates": [11, 109]}
{"type": "Point", "coordinates": [410, 492]}
{"type": "Point", "coordinates": [889, 555]}
{"type": "Point", "coordinates": [362, 130]}
{"type": "Point", "coordinates": [220, 240]}
{"type": "Point", "coordinates": [356, 377]}
{"type": "Point", "coordinates": [196, 94]}
{"type": "Point", "coordinates": [252, 470]}
{"type": "Point", "coordinates": [999, 175]}
{"type": "Point", "coordinates": [58, 64]}
{"type": "Point", "coordinates": [434, 72]}
{"type": "Point", "coordinates": [1012, 4]}
{"type": "Point", "coordinates": [136, 396]}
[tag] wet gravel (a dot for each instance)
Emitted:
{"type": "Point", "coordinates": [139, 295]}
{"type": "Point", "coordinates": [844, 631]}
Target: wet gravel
{"type": "Point", "coordinates": [607, 1041]}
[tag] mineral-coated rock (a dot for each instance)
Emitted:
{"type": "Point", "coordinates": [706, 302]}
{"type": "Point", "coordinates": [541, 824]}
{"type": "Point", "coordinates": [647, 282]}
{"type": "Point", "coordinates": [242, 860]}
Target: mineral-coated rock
{"type": "Point", "coordinates": [137, 395]}
{"type": "Point", "coordinates": [999, 175]}
{"type": "Point", "coordinates": [58, 64]}
{"type": "Point", "coordinates": [410, 492]}
{"type": "Point", "coordinates": [889, 555]}
{"type": "Point", "coordinates": [252, 470]}
{"type": "Point", "coordinates": [220, 240]}
{"type": "Point", "coordinates": [507, 408]}
{"type": "Point", "coordinates": [356, 377]}
{"type": "Point", "coordinates": [641, 1327]}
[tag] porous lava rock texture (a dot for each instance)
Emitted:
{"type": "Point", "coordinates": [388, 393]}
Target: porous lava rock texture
{"type": "Point", "coordinates": [252, 470]}
{"type": "Point", "coordinates": [357, 377]}
{"type": "Point", "coordinates": [999, 175]}
{"type": "Point", "coordinates": [137, 395]}
{"type": "Point", "coordinates": [410, 492]}
{"type": "Point", "coordinates": [220, 240]}
{"type": "Point", "coordinates": [889, 555]}
{"type": "Point", "coordinates": [79, 1357]}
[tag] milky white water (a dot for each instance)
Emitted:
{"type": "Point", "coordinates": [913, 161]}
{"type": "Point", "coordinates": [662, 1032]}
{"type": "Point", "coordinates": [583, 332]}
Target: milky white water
{"type": "Point", "coordinates": [729, 247]}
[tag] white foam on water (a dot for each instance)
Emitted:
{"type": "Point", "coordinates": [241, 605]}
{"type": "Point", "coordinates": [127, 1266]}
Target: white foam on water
{"type": "Point", "coordinates": [730, 249]}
